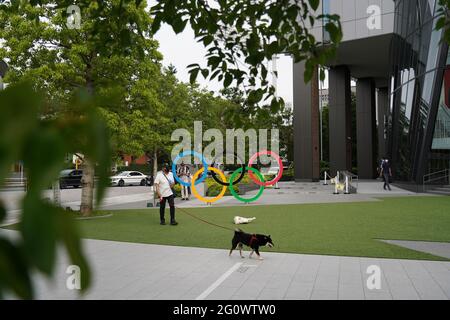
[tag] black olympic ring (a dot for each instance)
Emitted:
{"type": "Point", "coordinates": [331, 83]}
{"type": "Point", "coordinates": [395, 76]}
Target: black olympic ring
{"type": "Point", "coordinates": [226, 184]}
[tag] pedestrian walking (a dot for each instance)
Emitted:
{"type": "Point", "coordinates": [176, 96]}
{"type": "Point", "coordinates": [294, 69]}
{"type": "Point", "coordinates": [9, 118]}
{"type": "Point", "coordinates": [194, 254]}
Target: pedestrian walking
{"type": "Point", "coordinates": [184, 173]}
{"type": "Point", "coordinates": [386, 173]}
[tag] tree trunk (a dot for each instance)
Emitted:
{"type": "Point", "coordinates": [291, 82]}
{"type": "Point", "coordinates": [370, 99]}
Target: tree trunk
{"type": "Point", "coordinates": [87, 191]}
{"type": "Point", "coordinates": [87, 180]}
{"type": "Point", "coordinates": [155, 162]}
{"type": "Point", "coordinates": [56, 193]}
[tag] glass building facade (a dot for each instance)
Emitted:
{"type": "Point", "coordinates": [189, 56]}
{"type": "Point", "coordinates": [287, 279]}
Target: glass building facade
{"type": "Point", "coordinates": [419, 120]}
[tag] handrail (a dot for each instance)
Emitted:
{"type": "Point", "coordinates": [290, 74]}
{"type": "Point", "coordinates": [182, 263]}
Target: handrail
{"type": "Point", "coordinates": [434, 173]}
{"type": "Point", "coordinates": [444, 174]}
{"type": "Point", "coordinates": [352, 177]}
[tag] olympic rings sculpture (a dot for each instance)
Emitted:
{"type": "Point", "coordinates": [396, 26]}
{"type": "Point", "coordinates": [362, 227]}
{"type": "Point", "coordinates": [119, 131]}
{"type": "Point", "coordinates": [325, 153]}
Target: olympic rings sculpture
{"type": "Point", "coordinates": [258, 179]}
{"type": "Point", "coordinates": [213, 174]}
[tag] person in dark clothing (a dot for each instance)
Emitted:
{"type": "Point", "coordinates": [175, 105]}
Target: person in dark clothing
{"type": "Point", "coordinates": [386, 173]}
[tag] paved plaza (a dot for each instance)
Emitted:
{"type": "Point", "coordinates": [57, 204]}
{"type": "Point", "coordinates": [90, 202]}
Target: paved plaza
{"type": "Point", "coordinates": [118, 198]}
{"type": "Point", "coordinates": [146, 271]}
{"type": "Point", "coordinates": [143, 271]}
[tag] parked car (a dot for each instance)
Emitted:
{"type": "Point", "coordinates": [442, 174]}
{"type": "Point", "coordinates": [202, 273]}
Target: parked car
{"type": "Point", "coordinates": [70, 178]}
{"type": "Point", "coordinates": [273, 170]}
{"type": "Point", "coordinates": [129, 178]}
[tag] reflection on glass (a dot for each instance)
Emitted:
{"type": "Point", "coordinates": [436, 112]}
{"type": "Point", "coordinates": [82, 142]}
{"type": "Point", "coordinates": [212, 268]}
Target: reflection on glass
{"type": "Point", "coordinates": [427, 89]}
{"type": "Point", "coordinates": [433, 47]}
{"type": "Point", "coordinates": [416, 64]}
{"type": "Point", "coordinates": [410, 97]}
{"type": "Point", "coordinates": [325, 10]}
{"type": "Point", "coordinates": [441, 137]}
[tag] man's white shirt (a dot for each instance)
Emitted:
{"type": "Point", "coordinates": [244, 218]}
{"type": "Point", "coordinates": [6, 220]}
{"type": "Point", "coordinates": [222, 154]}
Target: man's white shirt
{"type": "Point", "coordinates": [163, 183]}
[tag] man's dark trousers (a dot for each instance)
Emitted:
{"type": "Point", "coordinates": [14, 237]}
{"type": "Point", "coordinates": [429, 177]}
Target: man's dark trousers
{"type": "Point", "coordinates": [162, 207]}
{"type": "Point", "coordinates": [386, 181]}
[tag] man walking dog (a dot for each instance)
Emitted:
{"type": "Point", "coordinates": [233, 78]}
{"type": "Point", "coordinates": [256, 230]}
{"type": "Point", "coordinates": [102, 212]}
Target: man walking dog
{"type": "Point", "coordinates": [164, 183]}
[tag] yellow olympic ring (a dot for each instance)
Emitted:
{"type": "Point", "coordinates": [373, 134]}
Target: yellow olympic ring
{"type": "Point", "coordinates": [194, 190]}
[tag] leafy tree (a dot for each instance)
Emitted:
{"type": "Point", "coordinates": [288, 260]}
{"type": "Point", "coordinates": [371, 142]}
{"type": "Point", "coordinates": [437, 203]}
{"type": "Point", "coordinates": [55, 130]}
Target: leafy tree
{"type": "Point", "coordinates": [42, 144]}
{"type": "Point", "coordinates": [100, 56]}
{"type": "Point", "coordinates": [99, 65]}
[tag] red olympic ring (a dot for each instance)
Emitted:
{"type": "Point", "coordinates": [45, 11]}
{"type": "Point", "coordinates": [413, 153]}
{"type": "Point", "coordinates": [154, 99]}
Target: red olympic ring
{"type": "Point", "coordinates": [280, 165]}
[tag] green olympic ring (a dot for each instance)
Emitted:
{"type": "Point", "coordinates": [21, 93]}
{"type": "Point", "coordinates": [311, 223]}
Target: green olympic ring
{"type": "Point", "coordinates": [234, 193]}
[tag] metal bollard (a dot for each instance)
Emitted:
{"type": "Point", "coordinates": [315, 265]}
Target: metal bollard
{"type": "Point", "coordinates": [336, 184]}
{"type": "Point", "coordinates": [346, 186]}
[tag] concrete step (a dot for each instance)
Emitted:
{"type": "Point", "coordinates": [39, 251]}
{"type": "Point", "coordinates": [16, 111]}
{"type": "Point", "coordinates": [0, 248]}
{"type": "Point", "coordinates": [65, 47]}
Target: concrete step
{"type": "Point", "coordinates": [446, 189]}
{"type": "Point", "coordinates": [440, 192]}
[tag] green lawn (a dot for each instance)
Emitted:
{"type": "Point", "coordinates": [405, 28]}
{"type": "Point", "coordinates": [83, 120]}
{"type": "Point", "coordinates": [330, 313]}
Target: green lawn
{"type": "Point", "coordinates": [348, 229]}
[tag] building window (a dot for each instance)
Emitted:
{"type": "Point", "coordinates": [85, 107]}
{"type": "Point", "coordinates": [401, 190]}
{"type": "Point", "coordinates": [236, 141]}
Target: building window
{"type": "Point", "coordinates": [441, 137]}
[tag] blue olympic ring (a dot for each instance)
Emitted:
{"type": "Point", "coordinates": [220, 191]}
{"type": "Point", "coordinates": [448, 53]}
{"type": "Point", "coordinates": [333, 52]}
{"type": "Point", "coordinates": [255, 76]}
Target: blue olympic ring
{"type": "Point", "coordinates": [189, 153]}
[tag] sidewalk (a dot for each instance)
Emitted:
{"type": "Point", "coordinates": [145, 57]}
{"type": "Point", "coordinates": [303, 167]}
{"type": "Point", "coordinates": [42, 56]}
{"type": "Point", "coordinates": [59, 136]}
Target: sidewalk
{"type": "Point", "coordinates": [289, 193]}
{"type": "Point", "coordinates": [141, 271]}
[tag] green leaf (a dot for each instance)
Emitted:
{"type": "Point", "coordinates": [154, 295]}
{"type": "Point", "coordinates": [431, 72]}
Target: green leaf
{"type": "Point", "coordinates": [2, 212]}
{"type": "Point", "coordinates": [214, 61]}
{"type": "Point", "coordinates": [228, 80]}
{"type": "Point", "coordinates": [194, 65]}
{"type": "Point", "coordinates": [19, 118]}
{"type": "Point", "coordinates": [69, 235]}
{"type": "Point", "coordinates": [314, 4]}
{"type": "Point", "coordinates": [215, 74]}
{"type": "Point", "coordinates": [207, 40]}
{"type": "Point", "coordinates": [178, 25]}
{"type": "Point", "coordinates": [101, 153]}
{"type": "Point", "coordinates": [334, 32]}
{"type": "Point", "coordinates": [39, 232]}
{"type": "Point", "coordinates": [440, 23]}
{"type": "Point", "coordinates": [45, 145]}
{"type": "Point", "coordinates": [14, 272]}
{"type": "Point", "coordinates": [272, 48]}
{"type": "Point", "coordinates": [205, 73]}
{"type": "Point", "coordinates": [193, 75]}
{"type": "Point", "coordinates": [322, 74]}
{"type": "Point", "coordinates": [156, 24]}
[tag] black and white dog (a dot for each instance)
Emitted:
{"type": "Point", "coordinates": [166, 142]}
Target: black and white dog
{"type": "Point", "coordinates": [253, 241]}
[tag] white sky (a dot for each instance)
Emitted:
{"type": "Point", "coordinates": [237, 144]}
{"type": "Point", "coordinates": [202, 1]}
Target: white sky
{"type": "Point", "coordinates": [182, 50]}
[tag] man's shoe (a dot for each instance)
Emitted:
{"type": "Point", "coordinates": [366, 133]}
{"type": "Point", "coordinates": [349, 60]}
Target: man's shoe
{"type": "Point", "coordinates": [173, 223]}
{"type": "Point", "coordinates": [163, 223]}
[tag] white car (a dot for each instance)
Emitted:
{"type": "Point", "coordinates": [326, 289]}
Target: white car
{"type": "Point", "coordinates": [129, 178]}
{"type": "Point", "coordinates": [273, 170]}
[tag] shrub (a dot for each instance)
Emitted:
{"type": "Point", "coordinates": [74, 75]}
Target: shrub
{"type": "Point", "coordinates": [213, 188]}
